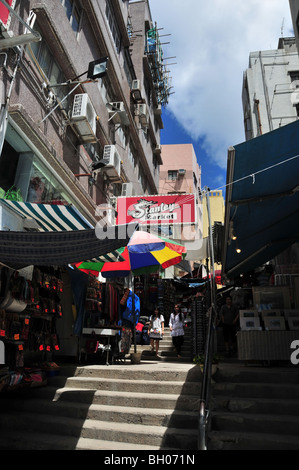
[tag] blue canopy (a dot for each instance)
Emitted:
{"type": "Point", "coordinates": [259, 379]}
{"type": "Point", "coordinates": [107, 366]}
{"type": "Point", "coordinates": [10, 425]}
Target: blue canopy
{"type": "Point", "coordinates": [262, 200]}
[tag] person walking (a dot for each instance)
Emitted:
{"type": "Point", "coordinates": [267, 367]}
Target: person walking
{"type": "Point", "coordinates": [176, 325]}
{"type": "Point", "coordinates": [229, 316]}
{"type": "Point", "coordinates": [156, 330]}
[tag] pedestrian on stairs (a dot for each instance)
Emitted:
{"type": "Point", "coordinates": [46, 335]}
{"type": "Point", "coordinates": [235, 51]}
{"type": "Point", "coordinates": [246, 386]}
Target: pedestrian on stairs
{"type": "Point", "coordinates": [156, 329]}
{"type": "Point", "coordinates": [176, 325]}
{"type": "Point", "coordinates": [229, 315]}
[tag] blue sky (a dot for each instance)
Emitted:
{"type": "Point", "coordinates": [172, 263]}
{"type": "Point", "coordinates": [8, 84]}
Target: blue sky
{"type": "Point", "coordinates": [211, 42]}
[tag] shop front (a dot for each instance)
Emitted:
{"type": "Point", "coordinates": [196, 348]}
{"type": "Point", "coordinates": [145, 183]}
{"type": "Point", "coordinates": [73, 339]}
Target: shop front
{"type": "Point", "coordinates": [37, 306]}
{"type": "Point", "coordinates": [262, 227]}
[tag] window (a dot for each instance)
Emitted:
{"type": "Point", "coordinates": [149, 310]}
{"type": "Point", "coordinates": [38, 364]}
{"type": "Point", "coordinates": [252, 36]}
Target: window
{"type": "Point", "coordinates": [113, 25]}
{"type": "Point", "coordinates": [73, 12]}
{"type": "Point", "coordinates": [172, 175]}
{"type": "Point", "coordinates": [48, 65]}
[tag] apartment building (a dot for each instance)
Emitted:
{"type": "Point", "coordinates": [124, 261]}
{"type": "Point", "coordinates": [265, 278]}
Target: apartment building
{"type": "Point", "coordinates": [81, 108]}
{"type": "Point", "coordinates": [294, 8]}
{"type": "Point", "coordinates": [180, 172]}
{"type": "Point", "coordinates": [269, 95]}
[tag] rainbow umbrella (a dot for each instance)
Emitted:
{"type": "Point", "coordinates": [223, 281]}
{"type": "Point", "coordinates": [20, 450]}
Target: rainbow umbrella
{"type": "Point", "coordinates": [145, 253]}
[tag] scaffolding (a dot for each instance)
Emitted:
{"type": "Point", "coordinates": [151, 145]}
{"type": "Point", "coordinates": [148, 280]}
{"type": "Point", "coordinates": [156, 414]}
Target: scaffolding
{"type": "Point", "coordinates": [158, 66]}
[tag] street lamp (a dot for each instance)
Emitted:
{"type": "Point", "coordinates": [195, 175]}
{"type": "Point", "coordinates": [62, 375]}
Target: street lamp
{"type": "Point", "coordinates": [97, 68]}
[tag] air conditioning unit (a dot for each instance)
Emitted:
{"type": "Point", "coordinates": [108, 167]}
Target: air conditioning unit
{"type": "Point", "coordinates": [128, 190]}
{"type": "Point", "coordinates": [112, 162]}
{"type": "Point", "coordinates": [118, 113]}
{"type": "Point", "coordinates": [84, 117]}
{"type": "Point", "coordinates": [143, 114]}
{"type": "Point", "coordinates": [136, 89]}
{"type": "Point", "coordinates": [181, 172]}
{"type": "Point", "coordinates": [158, 110]}
{"type": "Point", "coordinates": [158, 149]}
{"type": "Point", "coordinates": [136, 85]}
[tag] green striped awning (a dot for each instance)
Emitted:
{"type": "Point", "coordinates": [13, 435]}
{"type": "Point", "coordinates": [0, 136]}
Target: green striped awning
{"type": "Point", "coordinates": [57, 218]}
{"type": "Point", "coordinates": [50, 218]}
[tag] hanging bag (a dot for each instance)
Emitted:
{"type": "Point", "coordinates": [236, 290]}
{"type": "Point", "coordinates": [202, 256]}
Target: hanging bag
{"type": "Point", "coordinates": [92, 344]}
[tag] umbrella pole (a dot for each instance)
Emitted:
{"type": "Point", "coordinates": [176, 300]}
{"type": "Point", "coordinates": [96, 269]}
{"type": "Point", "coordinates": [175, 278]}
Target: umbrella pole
{"type": "Point", "coordinates": [134, 312]}
{"type": "Point", "coordinates": [134, 316]}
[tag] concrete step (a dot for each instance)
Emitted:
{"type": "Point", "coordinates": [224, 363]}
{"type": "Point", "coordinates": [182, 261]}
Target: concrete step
{"type": "Point", "coordinates": [257, 390]}
{"type": "Point", "coordinates": [256, 405]}
{"type": "Point", "coordinates": [111, 413]}
{"type": "Point", "coordinates": [149, 435]}
{"type": "Point", "coordinates": [261, 423]}
{"type": "Point", "coordinates": [136, 407]}
{"type": "Point", "coordinates": [135, 386]}
{"type": "Point", "coordinates": [219, 440]}
{"type": "Point", "coordinates": [238, 374]}
{"type": "Point", "coordinates": [254, 408]}
{"type": "Point", "coordinates": [136, 372]}
{"type": "Point", "coordinates": [36, 441]}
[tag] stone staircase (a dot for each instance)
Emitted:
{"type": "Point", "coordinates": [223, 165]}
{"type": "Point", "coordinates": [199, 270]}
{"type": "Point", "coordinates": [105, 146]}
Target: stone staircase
{"type": "Point", "coordinates": [255, 408]}
{"type": "Point", "coordinates": [152, 405]}
{"type": "Point", "coordinates": [166, 350]}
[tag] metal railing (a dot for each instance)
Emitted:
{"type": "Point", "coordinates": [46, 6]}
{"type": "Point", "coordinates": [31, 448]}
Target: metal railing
{"type": "Point", "coordinates": [204, 404]}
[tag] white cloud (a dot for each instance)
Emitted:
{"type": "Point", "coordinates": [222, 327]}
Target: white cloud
{"type": "Point", "coordinates": [212, 41]}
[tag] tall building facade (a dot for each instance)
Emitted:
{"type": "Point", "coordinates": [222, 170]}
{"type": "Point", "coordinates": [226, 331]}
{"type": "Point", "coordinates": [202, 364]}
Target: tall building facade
{"type": "Point", "coordinates": [294, 7]}
{"type": "Point", "coordinates": [269, 95]}
{"type": "Point", "coordinates": [81, 107]}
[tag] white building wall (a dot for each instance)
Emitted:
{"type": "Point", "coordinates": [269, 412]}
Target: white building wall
{"type": "Point", "coordinates": [268, 93]}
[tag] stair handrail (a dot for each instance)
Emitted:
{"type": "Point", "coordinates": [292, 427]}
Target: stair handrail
{"type": "Point", "coordinates": [204, 402]}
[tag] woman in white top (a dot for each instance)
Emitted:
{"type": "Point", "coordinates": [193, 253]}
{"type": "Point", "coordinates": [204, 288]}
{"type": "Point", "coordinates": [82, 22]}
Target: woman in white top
{"type": "Point", "coordinates": [156, 329]}
{"type": "Point", "coordinates": [176, 325]}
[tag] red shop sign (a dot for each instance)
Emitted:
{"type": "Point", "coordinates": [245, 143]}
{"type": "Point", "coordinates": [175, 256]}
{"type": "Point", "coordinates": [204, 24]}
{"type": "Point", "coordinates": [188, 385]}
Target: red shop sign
{"type": "Point", "coordinates": [162, 209]}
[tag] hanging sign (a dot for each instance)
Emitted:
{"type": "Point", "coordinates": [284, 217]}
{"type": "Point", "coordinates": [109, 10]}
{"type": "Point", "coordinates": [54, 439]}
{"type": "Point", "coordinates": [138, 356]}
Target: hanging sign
{"type": "Point", "coordinates": [156, 210]}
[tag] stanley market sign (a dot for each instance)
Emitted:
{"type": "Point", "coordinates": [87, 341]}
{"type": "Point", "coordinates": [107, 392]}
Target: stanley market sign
{"type": "Point", "coordinates": [162, 209]}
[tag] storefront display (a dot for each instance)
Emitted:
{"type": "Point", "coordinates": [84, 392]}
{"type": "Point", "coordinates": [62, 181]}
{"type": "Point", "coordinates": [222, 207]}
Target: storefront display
{"type": "Point", "coordinates": [30, 306]}
{"type": "Point", "coordinates": [267, 329]}
{"type": "Point", "coordinates": [109, 317]}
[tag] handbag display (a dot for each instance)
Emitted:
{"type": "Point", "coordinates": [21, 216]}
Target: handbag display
{"type": "Point", "coordinates": [92, 344]}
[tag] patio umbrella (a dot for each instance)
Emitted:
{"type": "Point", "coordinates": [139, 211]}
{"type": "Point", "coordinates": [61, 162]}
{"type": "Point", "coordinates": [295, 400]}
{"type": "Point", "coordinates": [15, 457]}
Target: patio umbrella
{"type": "Point", "coordinates": [145, 253]}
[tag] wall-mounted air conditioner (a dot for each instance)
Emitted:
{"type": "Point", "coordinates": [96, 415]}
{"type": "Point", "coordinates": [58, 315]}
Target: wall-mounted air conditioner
{"type": "Point", "coordinates": [142, 112]}
{"type": "Point", "coordinates": [181, 172]}
{"type": "Point", "coordinates": [128, 190]}
{"type": "Point", "coordinates": [112, 162]}
{"type": "Point", "coordinates": [84, 117]}
{"type": "Point", "coordinates": [158, 149]}
{"type": "Point", "coordinates": [158, 110]}
{"type": "Point", "coordinates": [136, 89]}
{"type": "Point", "coordinates": [136, 85]}
{"type": "Point", "coordinates": [118, 113]}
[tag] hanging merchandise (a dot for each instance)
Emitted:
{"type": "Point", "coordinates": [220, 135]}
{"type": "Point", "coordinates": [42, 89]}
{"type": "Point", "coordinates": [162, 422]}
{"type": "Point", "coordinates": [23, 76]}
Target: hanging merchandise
{"type": "Point", "coordinates": [79, 283]}
{"type": "Point", "coordinates": [29, 334]}
{"type": "Point", "coordinates": [132, 312]}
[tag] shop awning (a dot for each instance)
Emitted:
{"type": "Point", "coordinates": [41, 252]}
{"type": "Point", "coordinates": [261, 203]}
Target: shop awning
{"type": "Point", "coordinates": [20, 249]}
{"type": "Point", "coordinates": [61, 236]}
{"type": "Point", "coordinates": [48, 217]}
{"type": "Point", "coordinates": [262, 200]}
